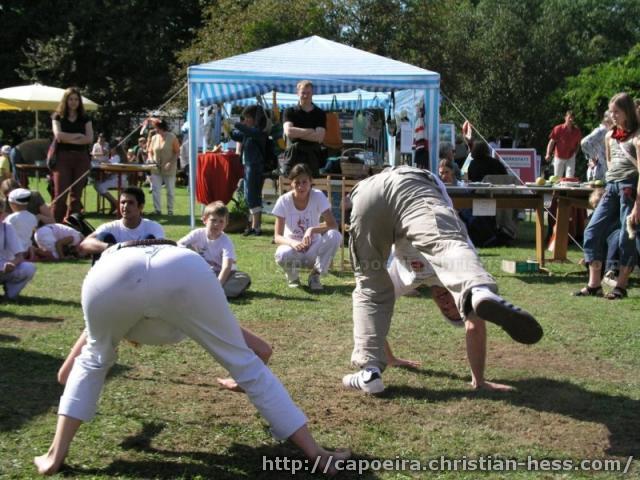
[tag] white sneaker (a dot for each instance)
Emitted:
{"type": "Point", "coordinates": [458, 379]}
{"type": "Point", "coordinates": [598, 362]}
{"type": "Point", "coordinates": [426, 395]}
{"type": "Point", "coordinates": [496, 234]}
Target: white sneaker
{"type": "Point", "coordinates": [314, 282]}
{"type": "Point", "coordinates": [369, 380]}
{"type": "Point", "coordinates": [292, 281]}
{"type": "Point", "coordinates": [610, 279]}
{"type": "Point", "coordinates": [519, 324]}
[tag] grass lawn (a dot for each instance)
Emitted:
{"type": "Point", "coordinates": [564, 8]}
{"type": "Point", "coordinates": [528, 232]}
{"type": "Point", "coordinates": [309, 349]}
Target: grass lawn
{"type": "Point", "coordinates": [162, 415]}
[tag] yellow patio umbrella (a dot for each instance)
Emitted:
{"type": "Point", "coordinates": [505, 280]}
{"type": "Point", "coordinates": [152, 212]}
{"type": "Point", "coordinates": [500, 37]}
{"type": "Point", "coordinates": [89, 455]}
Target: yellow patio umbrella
{"type": "Point", "coordinates": [36, 97]}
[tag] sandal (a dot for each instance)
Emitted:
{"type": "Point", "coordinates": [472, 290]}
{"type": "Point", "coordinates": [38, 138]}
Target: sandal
{"type": "Point", "coordinates": [618, 293]}
{"type": "Point", "coordinates": [588, 292]}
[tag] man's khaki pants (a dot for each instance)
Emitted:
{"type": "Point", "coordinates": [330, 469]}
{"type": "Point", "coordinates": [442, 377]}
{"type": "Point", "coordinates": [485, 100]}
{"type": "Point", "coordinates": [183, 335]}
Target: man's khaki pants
{"type": "Point", "coordinates": [403, 202]}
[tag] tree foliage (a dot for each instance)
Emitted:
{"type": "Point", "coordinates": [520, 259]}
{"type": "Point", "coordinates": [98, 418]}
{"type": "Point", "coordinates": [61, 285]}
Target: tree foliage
{"type": "Point", "coordinates": [500, 61]}
{"type": "Point", "coordinates": [588, 93]}
{"type": "Point", "coordinates": [119, 53]}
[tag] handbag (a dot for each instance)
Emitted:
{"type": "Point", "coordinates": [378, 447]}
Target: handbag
{"type": "Point", "coordinates": [52, 157]}
{"type": "Point", "coordinates": [333, 136]}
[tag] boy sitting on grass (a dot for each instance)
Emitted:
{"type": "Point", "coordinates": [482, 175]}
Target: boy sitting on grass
{"type": "Point", "coordinates": [217, 249]}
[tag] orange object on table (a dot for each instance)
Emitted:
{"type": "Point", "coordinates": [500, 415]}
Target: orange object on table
{"type": "Point", "coordinates": [217, 176]}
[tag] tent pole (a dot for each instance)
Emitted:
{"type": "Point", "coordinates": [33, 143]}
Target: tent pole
{"type": "Point", "coordinates": [193, 150]}
{"type": "Point", "coordinates": [36, 124]}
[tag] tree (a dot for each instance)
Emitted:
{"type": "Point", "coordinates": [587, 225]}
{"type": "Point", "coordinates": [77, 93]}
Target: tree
{"type": "Point", "coordinates": [588, 93]}
{"type": "Point", "coordinates": [119, 53]}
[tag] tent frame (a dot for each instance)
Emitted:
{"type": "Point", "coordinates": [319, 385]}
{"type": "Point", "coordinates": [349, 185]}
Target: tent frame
{"type": "Point", "coordinates": [221, 81]}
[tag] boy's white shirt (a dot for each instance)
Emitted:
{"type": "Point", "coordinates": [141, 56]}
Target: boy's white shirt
{"type": "Point", "coordinates": [213, 251]}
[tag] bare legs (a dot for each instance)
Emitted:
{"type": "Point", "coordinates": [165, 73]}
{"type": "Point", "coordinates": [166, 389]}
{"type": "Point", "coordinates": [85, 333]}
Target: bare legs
{"type": "Point", "coordinates": [302, 439]}
{"type": "Point", "coordinates": [476, 338]}
{"type": "Point", "coordinates": [595, 269]}
{"type": "Point", "coordinates": [50, 462]}
{"type": "Point", "coordinates": [261, 348]}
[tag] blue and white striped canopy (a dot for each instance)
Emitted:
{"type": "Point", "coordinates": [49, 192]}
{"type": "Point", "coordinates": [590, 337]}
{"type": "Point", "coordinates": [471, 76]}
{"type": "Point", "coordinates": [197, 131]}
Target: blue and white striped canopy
{"type": "Point", "coordinates": [331, 66]}
{"type": "Point", "coordinates": [356, 100]}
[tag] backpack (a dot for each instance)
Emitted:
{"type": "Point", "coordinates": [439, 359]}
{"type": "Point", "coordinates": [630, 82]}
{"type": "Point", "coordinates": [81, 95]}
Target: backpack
{"type": "Point", "coordinates": [77, 222]}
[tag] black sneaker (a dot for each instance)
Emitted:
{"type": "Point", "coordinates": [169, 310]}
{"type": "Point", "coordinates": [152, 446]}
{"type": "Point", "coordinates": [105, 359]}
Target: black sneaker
{"type": "Point", "coordinates": [519, 324]}
{"type": "Point", "coordinates": [248, 231]}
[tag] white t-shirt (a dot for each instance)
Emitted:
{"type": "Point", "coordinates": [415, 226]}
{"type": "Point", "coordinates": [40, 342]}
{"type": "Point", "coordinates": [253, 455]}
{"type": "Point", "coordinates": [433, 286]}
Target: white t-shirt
{"type": "Point", "coordinates": [213, 251]}
{"type": "Point", "coordinates": [296, 222]}
{"type": "Point", "coordinates": [146, 229]}
{"type": "Point", "coordinates": [47, 236]}
{"type": "Point", "coordinates": [98, 152]}
{"type": "Point", "coordinates": [9, 243]}
{"type": "Point", "coordinates": [24, 223]}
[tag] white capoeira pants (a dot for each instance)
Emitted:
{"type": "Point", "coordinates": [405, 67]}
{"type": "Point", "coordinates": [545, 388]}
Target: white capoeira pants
{"type": "Point", "coordinates": [403, 204]}
{"type": "Point", "coordinates": [15, 281]}
{"type": "Point", "coordinates": [319, 255]}
{"type": "Point", "coordinates": [138, 292]}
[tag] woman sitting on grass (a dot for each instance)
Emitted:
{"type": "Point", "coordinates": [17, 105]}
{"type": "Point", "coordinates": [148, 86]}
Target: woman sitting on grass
{"type": "Point", "coordinates": [301, 238]}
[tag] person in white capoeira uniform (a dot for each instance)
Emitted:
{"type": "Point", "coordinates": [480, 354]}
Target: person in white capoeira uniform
{"type": "Point", "coordinates": [157, 294]}
{"type": "Point", "coordinates": [406, 204]}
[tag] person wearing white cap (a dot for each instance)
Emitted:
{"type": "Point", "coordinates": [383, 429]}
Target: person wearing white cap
{"type": "Point", "coordinates": [5, 162]}
{"type": "Point", "coordinates": [23, 221]}
{"type": "Point", "coordinates": [37, 205]}
{"type": "Point", "coordinates": [15, 273]}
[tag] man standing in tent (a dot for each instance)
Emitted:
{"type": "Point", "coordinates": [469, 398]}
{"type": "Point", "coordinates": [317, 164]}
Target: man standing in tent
{"type": "Point", "coordinates": [304, 125]}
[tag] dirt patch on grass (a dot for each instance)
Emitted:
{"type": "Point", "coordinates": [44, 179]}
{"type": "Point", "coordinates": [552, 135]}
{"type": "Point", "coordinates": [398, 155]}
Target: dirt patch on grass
{"type": "Point", "coordinates": [554, 364]}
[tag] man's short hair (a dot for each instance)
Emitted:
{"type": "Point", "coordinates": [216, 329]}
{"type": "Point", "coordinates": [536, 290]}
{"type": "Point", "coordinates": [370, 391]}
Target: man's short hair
{"type": "Point", "coordinates": [217, 208]}
{"type": "Point", "coordinates": [304, 84]}
{"type": "Point", "coordinates": [135, 192]}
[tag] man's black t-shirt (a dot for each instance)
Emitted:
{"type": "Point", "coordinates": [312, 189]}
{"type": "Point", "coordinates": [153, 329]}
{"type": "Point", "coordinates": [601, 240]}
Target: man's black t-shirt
{"type": "Point", "coordinates": [301, 119]}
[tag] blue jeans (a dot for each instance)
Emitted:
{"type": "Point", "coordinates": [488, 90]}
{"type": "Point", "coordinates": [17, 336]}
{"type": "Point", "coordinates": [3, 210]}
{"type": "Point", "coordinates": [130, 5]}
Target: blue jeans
{"type": "Point", "coordinates": [253, 181]}
{"type": "Point", "coordinates": [610, 214]}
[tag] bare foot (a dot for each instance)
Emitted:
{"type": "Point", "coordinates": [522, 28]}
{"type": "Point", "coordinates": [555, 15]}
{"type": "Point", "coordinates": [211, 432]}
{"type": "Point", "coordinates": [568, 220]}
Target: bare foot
{"type": "Point", "coordinates": [494, 387]}
{"type": "Point", "coordinates": [230, 384]}
{"type": "Point", "coordinates": [46, 465]}
{"type": "Point", "coordinates": [326, 461]}
{"type": "Point", "coordinates": [403, 362]}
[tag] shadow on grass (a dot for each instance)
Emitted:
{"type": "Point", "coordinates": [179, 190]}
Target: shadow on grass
{"type": "Point", "coordinates": [620, 414]}
{"type": "Point", "coordinates": [251, 295]}
{"type": "Point", "coordinates": [238, 461]}
{"type": "Point", "coordinates": [47, 301]}
{"type": "Point", "coordinates": [30, 318]}
{"type": "Point", "coordinates": [9, 338]}
{"type": "Point", "coordinates": [29, 386]}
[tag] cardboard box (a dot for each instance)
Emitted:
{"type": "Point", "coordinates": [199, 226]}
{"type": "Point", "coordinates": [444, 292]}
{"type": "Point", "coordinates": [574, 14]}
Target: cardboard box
{"type": "Point", "coordinates": [518, 266]}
